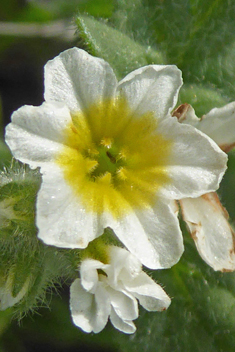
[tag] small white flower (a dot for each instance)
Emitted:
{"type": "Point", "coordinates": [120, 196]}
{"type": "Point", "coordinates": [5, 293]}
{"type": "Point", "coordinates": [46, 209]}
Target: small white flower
{"type": "Point", "coordinates": [111, 291]}
{"type": "Point", "coordinates": [111, 155]}
{"type": "Point", "coordinates": [206, 218]}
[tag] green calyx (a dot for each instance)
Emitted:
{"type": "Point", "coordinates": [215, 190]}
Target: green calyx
{"type": "Point", "coordinates": [97, 250]}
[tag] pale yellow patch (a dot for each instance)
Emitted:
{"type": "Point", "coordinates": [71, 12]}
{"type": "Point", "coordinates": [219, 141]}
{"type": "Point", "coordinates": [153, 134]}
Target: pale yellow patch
{"type": "Point", "coordinates": [113, 159]}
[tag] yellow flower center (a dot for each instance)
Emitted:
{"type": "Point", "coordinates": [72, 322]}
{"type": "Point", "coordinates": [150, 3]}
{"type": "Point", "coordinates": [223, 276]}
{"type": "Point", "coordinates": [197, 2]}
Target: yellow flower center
{"type": "Point", "coordinates": [115, 160]}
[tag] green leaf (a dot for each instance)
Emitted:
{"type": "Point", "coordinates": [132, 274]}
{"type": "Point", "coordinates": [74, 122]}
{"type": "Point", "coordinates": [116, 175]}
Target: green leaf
{"type": "Point", "coordinates": [191, 31]}
{"type": "Point", "coordinates": [5, 154]}
{"type": "Point", "coordinates": [202, 98]}
{"type": "Point", "coordinates": [122, 53]}
{"type": "Point", "coordinates": [220, 70]}
{"type": "Point", "coordinates": [132, 17]}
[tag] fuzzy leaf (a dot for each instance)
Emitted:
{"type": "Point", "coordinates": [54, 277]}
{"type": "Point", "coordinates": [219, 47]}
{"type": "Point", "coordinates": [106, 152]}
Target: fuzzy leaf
{"type": "Point", "coordinates": [122, 53]}
{"type": "Point", "coordinates": [220, 70]}
{"type": "Point", "coordinates": [202, 98]}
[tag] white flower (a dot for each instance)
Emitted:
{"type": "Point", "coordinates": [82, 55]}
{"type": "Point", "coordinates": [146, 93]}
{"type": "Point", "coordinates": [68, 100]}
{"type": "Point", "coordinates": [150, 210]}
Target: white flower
{"type": "Point", "coordinates": [111, 291]}
{"type": "Point", "coordinates": [111, 155]}
{"type": "Point", "coordinates": [206, 218]}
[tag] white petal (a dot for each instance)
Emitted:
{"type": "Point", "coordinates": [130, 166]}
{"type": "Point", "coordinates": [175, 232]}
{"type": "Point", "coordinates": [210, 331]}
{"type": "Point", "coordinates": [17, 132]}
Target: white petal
{"type": "Point", "coordinates": [78, 79]}
{"type": "Point", "coordinates": [219, 124]}
{"type": "Point", "coordinates": [185, 113]}
{"type": "Point", "coordinates": [89, 312]}
{"type": "Point", "coordinates": [80, 306]}
{"type": "Point", "coordinates": [150, 295]}
{"type": "Point", "coordinates": [152, 235]}
{"type": "Point", "coordinates": [103, 309]}
{"type": "Point", "coordinates": [124, 304]}
{"type": "Point", "coordinates": [213, 236]}
{"type": "Point", "coordinates": [61, 219]}
{"type": "Point", "coordinates": [152, 88]}
{"type": "Point", "coordinates": [35, 135]}
{"type": "Point", "coordinates": [196, 164]}
{"type": "Point", "coordinates": [123, 264]}
{"type": "Point", "coordinates": [89, 274]}
{"type": "Point", "coordinates": [128, 327]}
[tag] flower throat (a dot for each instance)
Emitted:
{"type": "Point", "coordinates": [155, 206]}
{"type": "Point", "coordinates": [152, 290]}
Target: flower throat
{"type": "Point", "coordinates": [114, 159]}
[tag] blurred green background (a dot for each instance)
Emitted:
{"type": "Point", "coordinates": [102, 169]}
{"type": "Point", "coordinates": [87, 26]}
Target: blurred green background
{"type": "Point", "coordinates": [197, 36]}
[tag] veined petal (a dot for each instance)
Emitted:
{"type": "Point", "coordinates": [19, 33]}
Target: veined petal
{"type": "Point", "coordinates": [213, 236]}
{"type": "Point", "coordinates": [61, 219]}
{"type": "Point", "coordinates": [35, 135]}
{"type": "Point", "coordinates": [128, 327]}
{"type": "Point", "coordinates": [152, 235]}
{"type": "Point", "coordinates": [89, 312]}
{"type": "Point", "coordinates": [191, 175]}
{"type": "Point", "coordinates": [150, 295]}
{"type": "Point", "coordinates": [78, 79]}
{"type": "Point", "coordinates": [152, 88]}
